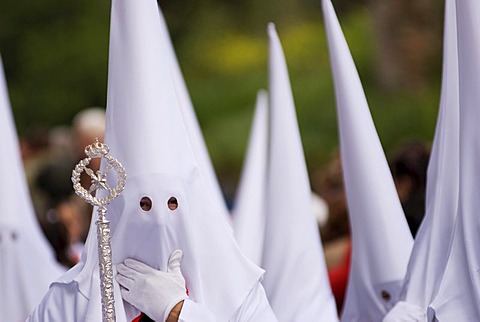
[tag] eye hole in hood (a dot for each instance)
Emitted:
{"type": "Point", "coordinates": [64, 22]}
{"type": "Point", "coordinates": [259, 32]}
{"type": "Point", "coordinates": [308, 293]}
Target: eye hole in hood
{"type": "Point", "coordinates": [146, 203]}
{"type": "Point", "coordinates": [172, 203]}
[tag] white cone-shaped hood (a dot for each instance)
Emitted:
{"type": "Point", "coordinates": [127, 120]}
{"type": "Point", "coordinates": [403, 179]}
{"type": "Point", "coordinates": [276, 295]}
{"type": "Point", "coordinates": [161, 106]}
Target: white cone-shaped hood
{"type": "Point", "coordinates": [296, 281]}
{"type": "Point", "coordinates": [429, 255]}
{"type": "Point", "coordinates": [249, 208]}
{"type": "Point", "coordinates": [22, 243]}
{"type": "Point", "coordinates": [459, 293]}
{"type": "Point", "coordinates": [381, 240]}
{"type": "Point", "coordinates": [191, 123]}
{"type": "Point", "coordinates": [146, 133]}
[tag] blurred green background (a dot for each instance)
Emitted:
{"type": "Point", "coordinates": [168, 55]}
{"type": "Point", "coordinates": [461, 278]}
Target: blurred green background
{"type": "Point", "coordinates": [55, 56]}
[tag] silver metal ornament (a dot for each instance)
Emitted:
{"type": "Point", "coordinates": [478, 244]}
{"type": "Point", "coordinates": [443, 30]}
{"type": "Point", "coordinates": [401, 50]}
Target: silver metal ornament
{"type": "Point", "coordinates": [99, 182]}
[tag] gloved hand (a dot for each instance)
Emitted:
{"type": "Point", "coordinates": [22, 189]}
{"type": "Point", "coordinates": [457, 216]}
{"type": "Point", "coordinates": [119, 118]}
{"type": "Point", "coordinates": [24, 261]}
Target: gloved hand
{"type": "Point", "coordinates": [153, 292]}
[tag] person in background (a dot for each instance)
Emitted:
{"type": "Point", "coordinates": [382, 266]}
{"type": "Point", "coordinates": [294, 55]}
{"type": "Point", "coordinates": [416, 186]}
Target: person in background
{"type": "Point", "coordinates": [34, 149]}
{"type": "Point", "coordinates": [65, 218]}
{"type": "Point", "coordinates": [88, 125]}
{"type": "Point", "coordinates": [409, 169]}
{"type": "Point", "coordinates": [335, 233]}
{"type": "Point", "coordinates": [27, 263]}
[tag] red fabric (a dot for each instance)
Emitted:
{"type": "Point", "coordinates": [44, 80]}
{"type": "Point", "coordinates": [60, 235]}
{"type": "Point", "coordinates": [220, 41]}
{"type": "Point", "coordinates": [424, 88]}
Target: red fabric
{"type": "Point", "coordinates": [338, 277]}
{"type": "Point", "coordinates": [138, 318]}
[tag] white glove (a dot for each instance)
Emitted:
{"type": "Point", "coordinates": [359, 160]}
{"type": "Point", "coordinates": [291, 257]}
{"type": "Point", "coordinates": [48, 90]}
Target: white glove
{"type": "Point", "coordinates": [153, 292]}
{"type": "Point", "coordinates": [405, 312]}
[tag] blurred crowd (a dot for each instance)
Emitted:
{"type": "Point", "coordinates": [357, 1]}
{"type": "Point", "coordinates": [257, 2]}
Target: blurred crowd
{"type": "Point", "coordinates": [50, 155]}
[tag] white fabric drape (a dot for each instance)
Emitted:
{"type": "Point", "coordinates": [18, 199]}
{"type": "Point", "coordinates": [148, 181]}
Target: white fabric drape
{"type": "Point", "coordinates": [430, 250]}
{"type": "Point", "coordinates": [250, 206]}
{"type": "Point", "coordinates": [381, 240]}
{"type": "Point", "coordinates": [459, 292]}
{"type": "Point", "coordinates": [296, 279]}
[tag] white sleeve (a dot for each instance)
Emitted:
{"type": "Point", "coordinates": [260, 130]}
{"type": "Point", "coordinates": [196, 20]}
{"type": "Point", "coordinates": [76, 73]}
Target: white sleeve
{"type": "Point", "coordinates": [193, 312]}
{"type": "Point", "coordinates": [255, 308]}
{"type": "Point", "coordinates": [61, 303]}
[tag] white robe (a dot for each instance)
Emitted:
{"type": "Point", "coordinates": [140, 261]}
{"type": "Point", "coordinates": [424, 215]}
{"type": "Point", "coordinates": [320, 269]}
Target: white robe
{"type": "Point", "coordinates": [65, 303]}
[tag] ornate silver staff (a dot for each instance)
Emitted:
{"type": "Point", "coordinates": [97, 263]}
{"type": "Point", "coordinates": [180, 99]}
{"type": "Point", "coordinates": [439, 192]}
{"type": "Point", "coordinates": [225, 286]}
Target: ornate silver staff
{"type": "Point", "coordinates": [99, 182]}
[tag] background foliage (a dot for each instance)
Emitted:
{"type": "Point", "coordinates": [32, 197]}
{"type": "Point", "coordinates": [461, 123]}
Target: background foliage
{"type": "Point", "coordinates": [55, 55]}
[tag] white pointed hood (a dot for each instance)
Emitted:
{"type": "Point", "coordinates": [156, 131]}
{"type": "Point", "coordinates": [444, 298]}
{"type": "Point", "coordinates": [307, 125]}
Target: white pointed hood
{"type": "Point", "coordinates": [249, 207]}
{"type": "Point", "coordinates": [429, 255]}
{"type": "Point", "coordinates": [146, 133]}
{"type": "Point", "coordinates": [381, 240]}
{"type": "Point", "coordinates": [296, 281]}
{"type": "Point", "coordinates": [459, 293]}
{"type": "Point", "coordinates": [191, 123]}
{"type": "Point", "coordinates": [22, 243]}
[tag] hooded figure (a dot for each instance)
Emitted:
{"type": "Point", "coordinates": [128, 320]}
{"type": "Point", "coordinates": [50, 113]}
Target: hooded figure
{"type": "Point", "coordinates": [381, 239]}
{"type": "Point", "coordinates": [22, 243]}
{"type": "Point", "coordinates": [249, 207]}
{"type": "Point", "coordinates": [429, 255]}
{"type": "Point", "coordinates": [165, 209]}
{"type": "Point", "coordinates": [296, 278]}
{"type": "Point", "coordinates": [458, 297]}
